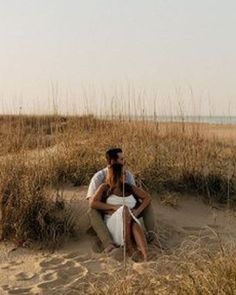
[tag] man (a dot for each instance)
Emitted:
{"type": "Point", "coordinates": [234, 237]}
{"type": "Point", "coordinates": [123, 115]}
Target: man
{"type": "Point", "coordinates": [114, 155]}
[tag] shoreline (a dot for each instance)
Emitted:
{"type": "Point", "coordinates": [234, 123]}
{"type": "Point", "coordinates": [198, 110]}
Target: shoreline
{"type": "Point", "coordinates": [179, 119]}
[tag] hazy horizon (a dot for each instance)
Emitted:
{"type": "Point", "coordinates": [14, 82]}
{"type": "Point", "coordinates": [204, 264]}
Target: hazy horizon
{"type": "Point", "coordinates": [90, 56]}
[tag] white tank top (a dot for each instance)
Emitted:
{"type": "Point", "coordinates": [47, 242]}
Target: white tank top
{"type": "Point", "coordinates": [128, 201]}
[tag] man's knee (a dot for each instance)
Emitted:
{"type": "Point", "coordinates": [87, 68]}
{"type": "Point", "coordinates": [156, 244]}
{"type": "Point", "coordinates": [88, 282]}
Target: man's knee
{"type": "Point", "coordinates": [92, 211]}
{"type": "Point", "coordinates": [148, 209]}
{"type": "Point", "coordinates": [94, 215]}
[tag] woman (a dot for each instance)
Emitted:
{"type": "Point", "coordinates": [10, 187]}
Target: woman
{"type": "Point", "coordinates": [109, 198]}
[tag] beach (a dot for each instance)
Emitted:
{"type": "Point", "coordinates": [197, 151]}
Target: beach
{"type": "Point", "coordinates": [191, 217]}
{"type": "Point", "coordinates": [77, 266]}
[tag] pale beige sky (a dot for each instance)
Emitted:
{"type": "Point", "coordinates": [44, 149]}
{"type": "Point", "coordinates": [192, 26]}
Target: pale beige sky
{"type": "Point", "coordinates": [85, 54]}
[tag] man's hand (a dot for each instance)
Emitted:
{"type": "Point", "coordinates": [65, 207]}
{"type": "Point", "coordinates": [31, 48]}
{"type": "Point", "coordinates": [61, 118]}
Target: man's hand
{"type": "Point", "coordinates": [116, 207]}
{"type": "Point", "coordinates": [109, 212]}
{"type": "Point", "coordinates": [112, 210]}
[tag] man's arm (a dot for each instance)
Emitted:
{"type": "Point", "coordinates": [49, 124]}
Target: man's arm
{"type": "Point", "coordinates": [94, 184]}
{"type": "Point", "coordinates": [130, 178]}
{"type": "Point", "coordinates": [96, 201]}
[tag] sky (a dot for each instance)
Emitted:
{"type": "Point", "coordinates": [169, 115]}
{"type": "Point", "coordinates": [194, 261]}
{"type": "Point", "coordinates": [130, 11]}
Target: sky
{"type": "Point", "coordinates": [162, 56]}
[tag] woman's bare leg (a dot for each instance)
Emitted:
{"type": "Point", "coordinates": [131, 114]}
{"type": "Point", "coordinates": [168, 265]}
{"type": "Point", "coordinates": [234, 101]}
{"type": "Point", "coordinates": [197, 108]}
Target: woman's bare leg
{"type": "Point", "coordinates": [127, 222]}
{"type": "Point", "coordinates": [140, 239]}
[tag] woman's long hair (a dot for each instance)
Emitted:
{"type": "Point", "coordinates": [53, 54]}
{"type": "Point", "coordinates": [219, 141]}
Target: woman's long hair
{"type": "Point", "coordinates": [114, 176]}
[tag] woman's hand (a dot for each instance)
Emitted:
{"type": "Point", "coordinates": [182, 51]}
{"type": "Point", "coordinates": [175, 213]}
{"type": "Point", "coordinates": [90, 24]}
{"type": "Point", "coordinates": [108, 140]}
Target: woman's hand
{"type": "Point", "coordinates": [116, 207]}
{"type": "Point", "coordinates": [135, 212]}
{"type": "Point", "coordinates": [112, 209]}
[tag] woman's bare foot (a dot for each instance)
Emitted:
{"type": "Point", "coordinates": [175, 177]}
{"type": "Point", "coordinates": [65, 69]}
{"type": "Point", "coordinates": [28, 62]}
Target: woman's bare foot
{"type": "Point", "coordinates": [130, 250]}
{"type": "Point", "coordinates": [110, 248]}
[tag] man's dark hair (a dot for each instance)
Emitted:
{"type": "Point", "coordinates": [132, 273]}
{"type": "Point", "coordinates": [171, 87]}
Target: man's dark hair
{"type": "Point", "coordinates": [112, 154]}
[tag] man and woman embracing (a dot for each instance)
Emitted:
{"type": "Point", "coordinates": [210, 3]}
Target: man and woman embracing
{"type": "Point", "coordinates": [116, 204]}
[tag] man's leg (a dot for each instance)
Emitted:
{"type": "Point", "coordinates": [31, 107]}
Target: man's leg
{"type": "Point", "coordinates": [150, 222]}
{"type": "Point", "coordinates": [100, 227]}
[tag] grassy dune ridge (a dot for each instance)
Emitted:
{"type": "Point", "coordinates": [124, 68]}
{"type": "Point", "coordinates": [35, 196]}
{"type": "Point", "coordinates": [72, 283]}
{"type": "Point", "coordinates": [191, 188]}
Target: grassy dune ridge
{"type": "Point", "coordinates": [190, 270]}
{"type": "Point", "coordinates": [41, 152]}
{"type": "Point", "coordinates": [37, 152]}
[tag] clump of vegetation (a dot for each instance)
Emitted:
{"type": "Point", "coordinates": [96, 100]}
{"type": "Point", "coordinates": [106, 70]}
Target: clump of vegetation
{"type": "Point", "coordinates": [168, 157]}
{"type": "Point", "coordinates": [27, 211]}
{"type": "Point", "coordinates": [192, 269]}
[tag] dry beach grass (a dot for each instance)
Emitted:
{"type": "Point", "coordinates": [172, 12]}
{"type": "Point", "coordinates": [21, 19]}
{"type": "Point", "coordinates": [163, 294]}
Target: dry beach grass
{"type": "Point", "coordinates": [40, 155]}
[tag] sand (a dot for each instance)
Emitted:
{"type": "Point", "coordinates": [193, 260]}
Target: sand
{"type": "Point", "coordinates": [78, 262]}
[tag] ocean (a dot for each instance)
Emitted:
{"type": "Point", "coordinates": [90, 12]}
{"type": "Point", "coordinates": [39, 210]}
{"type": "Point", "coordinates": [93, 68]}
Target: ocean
{"type": "Point", "coordinates": [231, 120]}
{"type": "Point", "coordinates": [196, 119]}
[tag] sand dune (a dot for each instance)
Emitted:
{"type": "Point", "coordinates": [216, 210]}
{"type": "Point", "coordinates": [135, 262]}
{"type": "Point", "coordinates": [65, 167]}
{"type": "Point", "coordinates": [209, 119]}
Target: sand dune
{"type": "Point", "coordinates": [34, 272]}
{"type": "Point", "coordinates": [78, 262]}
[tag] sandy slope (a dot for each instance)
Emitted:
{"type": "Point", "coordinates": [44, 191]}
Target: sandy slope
{"type": "Point", "coordinates": [70, 269]}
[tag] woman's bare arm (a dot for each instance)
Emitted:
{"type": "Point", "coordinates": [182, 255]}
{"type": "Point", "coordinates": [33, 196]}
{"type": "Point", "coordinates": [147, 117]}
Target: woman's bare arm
{"type": "Point", "coordinates": [96, 201]}
{"type": "Point", "coordinates": [144, 196]}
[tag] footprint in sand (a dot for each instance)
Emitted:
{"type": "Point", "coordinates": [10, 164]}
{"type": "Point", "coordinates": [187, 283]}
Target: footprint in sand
{"type": "Point", "coordinates": [82, 258]}
{"type": "Point", "coordinates": [73, 272]}
{"type": "Point", "coordinates": [55, 263]}
{"type": "Point", "coordinates": [52, 263]}
{"type": "Point", "coordinates": [69, 263]}
{"type": "Point", "coordinates": [5, 266]}
{"type": "Point", "coordinates": [19, 291]}
{"type": "Point", "coordinates": [55, 284]}
{"type": "Point", "coordinates": [11, 265]}
{"type": "Point", "coordinates": [15, 263]}
{"type": "Point", "coordinates": [25, 276]}
{"type": "Point", "coordinates": [49, 276]}
{"type": "Point", "coordinates": [77, 256]}
{"type": "Point", "coordinates": [71, 255]}
{"type": "Point", "coordinates": [93, 266]}
{"type": "Point", "coordinates": [5, 287]}
{"type": "Point", "coordinates": [63, 272]}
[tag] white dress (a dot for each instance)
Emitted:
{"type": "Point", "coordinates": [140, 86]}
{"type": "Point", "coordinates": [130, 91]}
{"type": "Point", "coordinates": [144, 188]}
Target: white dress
{"type": "Point", "coordinates": [114, 222]}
